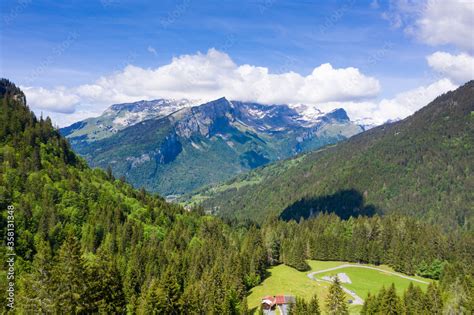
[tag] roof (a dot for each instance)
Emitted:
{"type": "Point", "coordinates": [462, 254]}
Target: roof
{"type": "Point", "coordinates": [278, 299]}
{"type": "Point", "coordinates": [284, 299]}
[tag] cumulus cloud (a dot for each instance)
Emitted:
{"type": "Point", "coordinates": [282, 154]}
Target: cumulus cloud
{"type": "Point", "coordinates": [447, 22]}
{"type": "Point", "coordinates": [459, 68]}
{"type": "Point", "coordinates": [209, 76]}
{"type": "Point", "coordinates": [401, 106]}
{"type": "Point", "coordinates": [214, 74]}
{"type": "Point", "coordinates": [435, 22]}
{"type": "Point", "coordinates": [57, 100]}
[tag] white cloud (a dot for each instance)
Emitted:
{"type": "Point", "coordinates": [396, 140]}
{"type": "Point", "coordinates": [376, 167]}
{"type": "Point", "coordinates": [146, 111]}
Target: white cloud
{"type": "Point", "coordinates": [56, 100]}
{"type": "Point", "coordinates": [435, 22]}
{"type": "Point", "coordinates": [401, 106]}
{"type": "Point", "coordinates": [214, 74]}
{"type": "Point", "coordinates": [208, 76]}
{"type": "Point", "coordinates": [459, 68]}
{"type": "Point", "coordinates": [447, 22]}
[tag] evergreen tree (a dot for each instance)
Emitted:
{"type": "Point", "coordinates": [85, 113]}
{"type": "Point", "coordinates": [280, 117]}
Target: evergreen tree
{"type": "Point", "coordinates": [70, 284]}
{"type": "Point", "coordinates": [36, 294]}
{"type": "Point", "coordinates": [433, 299]}
{"type": "Point", "coordinates": [171, 292]}
{"type": "Point", "coordinates": [413, 300]}
{"type": "Point", "coordinates": [244, 310]}
{"type": "Point", "coordinates": [369, 306]}
{"type": "Point", "coordinates": [313, 306]}
{"type": "Point", "coordinates": [105, 285]}
{"type": "Point", "coordinates": [336, 300]}
{"type": "Point", "coordinates": [300, 307]}
{"type": "Point", "coordinates": [231, 303]}
{"type": "Point", "coordinates": [294, 254]}
{"type": "Point", "coordinates": [152, 300]}
{"type": "Point", "coordinates": [391, 304]}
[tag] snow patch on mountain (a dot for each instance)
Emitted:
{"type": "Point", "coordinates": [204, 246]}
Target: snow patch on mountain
{"type": "Point", "coordinates": [307, 113]}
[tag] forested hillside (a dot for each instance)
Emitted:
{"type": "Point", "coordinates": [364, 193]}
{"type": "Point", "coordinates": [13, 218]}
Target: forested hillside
{"type": "Point", "coordinates": [86, 242]}
{"type": "Point", "coordinates": [421, 166]}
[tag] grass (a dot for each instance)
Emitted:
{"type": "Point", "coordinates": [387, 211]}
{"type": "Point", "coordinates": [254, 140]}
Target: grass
{"type": "Point", "coordinates": [286, 280]}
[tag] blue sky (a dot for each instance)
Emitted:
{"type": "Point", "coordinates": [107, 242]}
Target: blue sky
{"type": "Point", "coordinates": [72, 43]}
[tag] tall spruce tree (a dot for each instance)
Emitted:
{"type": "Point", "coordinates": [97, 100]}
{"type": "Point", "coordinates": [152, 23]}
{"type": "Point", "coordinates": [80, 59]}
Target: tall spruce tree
{"type": "Point", "coordinates": [433, 299]}
{"type": "Point", "coordinates": [336, 300]}
{"type": "Point", "coordinates": [152, 300]}
{"type": "Point", "coordinates": [370, 305]}
{"type": "Point", "coordinates": [413, 299]}
{"type": "Point", "coordinates": [70, 281]}
{"type": "Point", "coordinates": [391, 304]}
{"type": "Point", "coordinates": [313, 306]}
{"type": "Point", "coordinates": [36, 295]}
{"type": "Point", "coordinates": [171, 291]}
{"type": "Point", "coordinates": [105, 285]}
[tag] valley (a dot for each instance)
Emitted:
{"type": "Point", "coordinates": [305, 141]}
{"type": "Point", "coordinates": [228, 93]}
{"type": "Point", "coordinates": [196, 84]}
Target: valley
{"type": "Point", "coordinates": [364, 279]}
{"type": "Point", "coordinates": [158, 256]}
{"type": "Point", "coordinates": [174, 147]}
{"type": "Point", "coordinates": [252, 157]}
{"type": "Point", "coordinates": [420, 166]}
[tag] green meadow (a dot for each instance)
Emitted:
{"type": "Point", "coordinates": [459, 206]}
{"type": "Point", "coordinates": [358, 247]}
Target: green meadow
{"type": "Point", "coordinates": [286, 280]}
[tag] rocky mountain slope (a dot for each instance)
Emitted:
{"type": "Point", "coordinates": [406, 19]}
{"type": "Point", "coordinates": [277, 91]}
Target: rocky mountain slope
{"type": "Point", "coordinates": [121, 116]}
{"type": "Point", "coordinates": [421, 166]}
{"type": "Point", "coordinates": [174, 147]}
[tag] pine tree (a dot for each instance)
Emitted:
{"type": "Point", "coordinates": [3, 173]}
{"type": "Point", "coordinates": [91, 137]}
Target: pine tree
{"type": "Point", "coordinates": [152, 300]}
{"type": "Point", "coordinates": [70, 284]}
{"type": "Point", "coordinates": [391, 304]}
{"type": "Point", "coordinates": [366, 308]}
{"type": "Point", "coordinates": [37, 295]}
{"type": "Point", "coordinates": [433, 300]}
{"type": "Point", "coordinates": [231, 303]}
{"type": "Point", "coordinates": [105, 285]}
{"type": "Point", "coordinates": [294, 254]}
{"type": "Point", "coordinates": [313, 306]}
{"type": "Point", "coordinates": [37, 159]}
{"type": "Point", "coordinates": [300, 307]}
{"type": "Point", "coordinates": [171, 291]}
{"type": "Point", "coordinates": [244, 308]}
{"type": "Point", "coordinates": [413, 299]}
{"type": "Point", "coordinates": [373, 306]}
{"type": "Point", "coordinates": [336, 300]}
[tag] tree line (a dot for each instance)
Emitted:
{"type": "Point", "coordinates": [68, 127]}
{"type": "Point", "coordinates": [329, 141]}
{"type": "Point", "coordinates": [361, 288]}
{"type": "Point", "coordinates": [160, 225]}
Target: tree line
{"type": "Point", "coordinates": [87, 242]}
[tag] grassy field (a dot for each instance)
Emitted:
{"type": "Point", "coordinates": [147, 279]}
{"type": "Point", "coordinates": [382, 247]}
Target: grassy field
{"type": "Point", "coordinates": [286, 280]}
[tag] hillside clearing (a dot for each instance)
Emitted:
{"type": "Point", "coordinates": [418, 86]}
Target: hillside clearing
{"type": "Point", "coordinates": [365, 278]}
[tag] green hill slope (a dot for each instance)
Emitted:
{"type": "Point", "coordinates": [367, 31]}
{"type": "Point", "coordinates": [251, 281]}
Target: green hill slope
{"type": "Point", "coordinates": [87, 243]}
{"type": "Point", "coordinates": [84, 242]}
{"type": "Point", "coordinates": [421, 166]}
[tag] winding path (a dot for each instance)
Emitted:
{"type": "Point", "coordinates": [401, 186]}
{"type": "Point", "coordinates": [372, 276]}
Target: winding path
{"type": "Point", "coordinates": [357, 299]}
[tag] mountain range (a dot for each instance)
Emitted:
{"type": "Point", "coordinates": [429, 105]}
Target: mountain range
{"type": "Point", "coordinates": [175, 146]}
{"type": "Point", "coordinates": [420, 166]}
{"type": "Point", "coordinates": [86, 242]}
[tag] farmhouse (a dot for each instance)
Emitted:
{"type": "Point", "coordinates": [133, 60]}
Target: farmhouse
{"type": "Point", "coordinates": [270, 302]}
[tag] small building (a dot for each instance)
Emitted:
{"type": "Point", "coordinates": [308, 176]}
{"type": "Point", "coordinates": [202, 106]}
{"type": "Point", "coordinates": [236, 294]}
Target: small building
{"type": "Point", "coordinates": [270, 302]}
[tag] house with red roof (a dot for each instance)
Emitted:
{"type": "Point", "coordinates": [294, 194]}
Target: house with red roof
{"type": "Point", "coordinates": [270, 302]}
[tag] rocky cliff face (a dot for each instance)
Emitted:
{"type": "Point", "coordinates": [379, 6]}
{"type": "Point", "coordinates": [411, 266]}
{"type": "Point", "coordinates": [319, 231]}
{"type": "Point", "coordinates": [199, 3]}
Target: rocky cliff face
{"type": "Point", "coordinates": [204, 144]}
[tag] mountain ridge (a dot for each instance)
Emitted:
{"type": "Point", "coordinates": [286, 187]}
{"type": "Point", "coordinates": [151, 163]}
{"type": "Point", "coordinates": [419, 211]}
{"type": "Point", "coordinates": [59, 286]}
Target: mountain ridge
{"type": "Point", "coordinates": [392, 167]}
{"type": "Point", "coordinates": [199, 145]}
